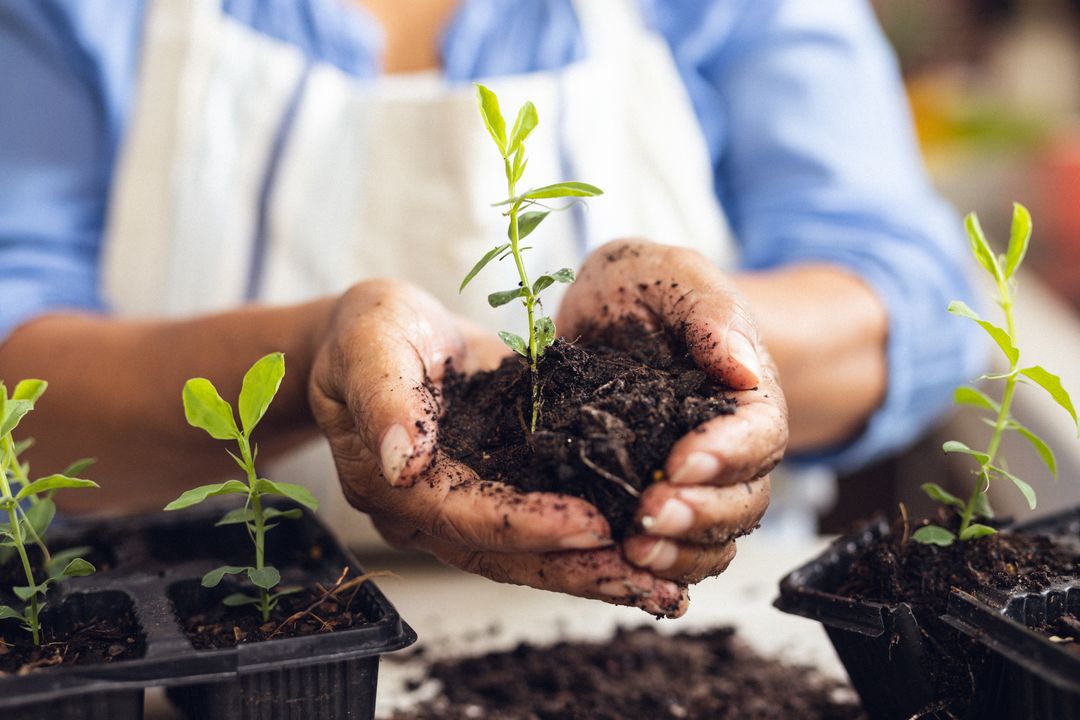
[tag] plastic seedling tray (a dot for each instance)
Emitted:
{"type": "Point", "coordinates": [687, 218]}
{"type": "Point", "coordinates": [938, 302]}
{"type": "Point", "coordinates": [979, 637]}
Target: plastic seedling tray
{"type": "Point", "coordinates": [158, 562]}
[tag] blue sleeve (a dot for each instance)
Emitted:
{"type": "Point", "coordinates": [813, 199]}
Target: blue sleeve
{"type": "Point", "coordinates": [62, 106]}
{"type": "Point", "coordinates": [816, 161]}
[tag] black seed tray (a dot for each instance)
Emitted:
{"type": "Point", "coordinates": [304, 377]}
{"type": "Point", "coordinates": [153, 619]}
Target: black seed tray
{"type": "Point", "coordinates": [155, 564]}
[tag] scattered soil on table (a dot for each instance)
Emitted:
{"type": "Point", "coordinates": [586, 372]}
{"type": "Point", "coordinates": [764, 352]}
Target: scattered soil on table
{"type": "Point", "coordinates": [610, 413]}
{"type": "Point", "coordinates": [218, 626]}
{"type": "Point", "coordinates": [638, 674]}
{"type": "Point", "coordinates": [97, 641]}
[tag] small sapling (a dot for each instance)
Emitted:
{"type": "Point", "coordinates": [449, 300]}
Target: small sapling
{"type": "Point", "coordinates": [522, 222]}
{"type": "Point", "coordinates": [29, 508]}
{"type": "Point", "coordinates": [991, 466]}
{"type": "Point", "coordinates": [205, 409]}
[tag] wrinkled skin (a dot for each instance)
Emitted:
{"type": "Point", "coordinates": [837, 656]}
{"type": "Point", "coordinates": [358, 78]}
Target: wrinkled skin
{"type": "Point", "coordinates": [369, 396]}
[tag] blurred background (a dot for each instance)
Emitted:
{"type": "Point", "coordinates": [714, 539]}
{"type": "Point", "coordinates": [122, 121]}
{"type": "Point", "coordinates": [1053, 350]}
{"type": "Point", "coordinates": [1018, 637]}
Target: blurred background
{"type": "Point", "coordinates": [995, 90]}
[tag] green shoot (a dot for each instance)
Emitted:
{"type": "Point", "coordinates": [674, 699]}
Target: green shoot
{"type": "Point", "coordinates": [204, 408]}
{"type": "Point", "coordinates": [1002, 269]}
{"type": "Point", "coordinates": [29, 508]}
{"type": "Point", "coordinates": [522, 223]}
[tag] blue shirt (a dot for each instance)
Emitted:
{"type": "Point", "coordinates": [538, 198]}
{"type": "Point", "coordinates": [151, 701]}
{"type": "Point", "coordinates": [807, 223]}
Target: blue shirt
{"type": "Point", "coordinates": [800, 102]}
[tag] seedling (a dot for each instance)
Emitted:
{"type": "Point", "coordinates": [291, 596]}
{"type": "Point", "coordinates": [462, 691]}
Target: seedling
{"type": "Point", "coordinates": [991, 466]}
{"type": "Point", "coordinates": [523, 222]}
{"type": "Point", "coordinates": [30, 509]}
{"type": "Point", "coordinates": [205, 409]}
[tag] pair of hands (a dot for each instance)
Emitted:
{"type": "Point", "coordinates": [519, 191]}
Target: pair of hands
{"type": "Point", "coordinates": [369, 396]}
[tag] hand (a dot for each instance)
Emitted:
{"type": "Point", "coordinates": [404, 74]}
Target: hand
{"type": "Point", "coordinates": [717, 487]}
{"type": "Point", "coordinates": [371, 391]}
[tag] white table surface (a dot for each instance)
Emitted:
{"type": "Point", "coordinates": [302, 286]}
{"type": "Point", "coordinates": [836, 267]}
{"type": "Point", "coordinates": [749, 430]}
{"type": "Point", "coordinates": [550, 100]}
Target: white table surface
{"type": "Point", "coordinates": [457, 614]}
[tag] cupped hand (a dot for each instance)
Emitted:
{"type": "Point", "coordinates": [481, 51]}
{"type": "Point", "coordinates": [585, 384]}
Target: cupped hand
{"type": "Point", "coordinates": [716, 485]}
{"type": "Point", "coordinates": [373, 391]}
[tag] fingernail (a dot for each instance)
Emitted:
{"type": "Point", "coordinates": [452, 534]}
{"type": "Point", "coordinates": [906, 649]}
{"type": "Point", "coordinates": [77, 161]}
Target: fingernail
{"type": "Point", "coordinates": [742, 351]}
{"type": "Point", "coordinates": [585, 541]}
{"type": "Point", "coordinates": [661, 556]}
{"type": "Point", "coordinates": [675, 517]}
{"type": "Point", "coordinates": [395, 451]}
{"type": "Point", "coordinates": [698, 468]}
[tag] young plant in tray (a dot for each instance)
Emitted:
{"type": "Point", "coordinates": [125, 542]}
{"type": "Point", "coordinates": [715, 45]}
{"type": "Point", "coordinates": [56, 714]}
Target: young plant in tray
{"type": "Point", "coordinates": [991, 466]}
{"type": "Point", "coordinates": [29, 509]}
{"type": "Point", "coordinates": [522, 222]}
{"type": "Point", "coordinates": [205, 409]}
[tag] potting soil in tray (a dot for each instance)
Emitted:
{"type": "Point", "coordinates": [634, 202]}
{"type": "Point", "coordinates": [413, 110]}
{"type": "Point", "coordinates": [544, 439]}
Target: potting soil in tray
{"type": "Point", "coordinates": [609, 414]}
{"type": "Point", "coordinates": [637, 674]}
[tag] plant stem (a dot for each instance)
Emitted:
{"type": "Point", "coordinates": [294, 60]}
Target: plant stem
{"type": "Point", "coordinates": [530, 298]}
{"type": "Point", "coordinates": [260, 525]}
{"type": "Point", "coordinates": [23, 480]}
{"type": "Point", "coordinates": [17, 539]}
{"type": "Point", "coordinates": [1002, 421]}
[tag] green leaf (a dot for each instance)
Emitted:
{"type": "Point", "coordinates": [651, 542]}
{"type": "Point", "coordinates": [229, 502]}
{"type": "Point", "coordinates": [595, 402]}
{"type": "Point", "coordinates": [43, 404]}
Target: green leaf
{"type": "Point", "coordinates": [205, 409]}
{"type": "Point", "coordinates": [565, 275]}
{"type": "Point", "coordinates": [199, 494]}
{"type": "Point", "coordinates": [40, 515]}
{"type": "Point", "coordinates": [285, 591]}
{"type": "Point", "coordinates": [527, 222]}
{"type": "Point", "coordinates": [1019, 238]}
{"type": "Point", "coordinates": [238, 599]}
{"type": "Point", "coordinates": [53, 482]}
{"type": "Point", "coordinates": [999, 335]}
{"type": "Point", "coordinates": [982, 507]}
{"type": "Point", "coordinates": [1039, 444]}
{"type": "Point", "coordinates": [514, 342]}
{"type": "Point", "coordinates": [1025, 489]}
{"type": "Point", "coordinates": [29, 390]}
{"type": "Point", "coordinates": [498, 299]}
{"type": "Point", "coordinates": [563, 189]}
{"type": "Point", "coordinates": [980, 248]}
{"type": "Point", "coordinates": [493, 119]}
{"type": "Point", "coordinates": [974, 398]}
{"type": "Point", "coordinates": [78, 568]}
{"type": "Point", "coordinates": [261, 383]}
{"type": "Point", "coordinates": [975, 530]}
{"type": "Point", "coordinates": [488, 257]}
{"type": "Point", "coordinates": [27, 592]}
{"type": "Point", "coordinates": [265, 578]}
{"type": "Point", "coordinates": [245, 515]}
{"type": "Point", "coordinates": [59, 560]}
{"type": "Point", "coordinates": [296, 493]}
{"type": "Point", "coordinates": [78, 467]}
{"type": "Point", "coordinates": [955, 446]}
{"type": "Point", "coordinates": [1051, 383]}
{"type": "Point", "coordinates": [933, 535]}
{"type": "Point", "coordinates": [14, 412]}
{"type": "Point", "coordinates": [214, 577]}
{"type": "Point", "coordinates": [9, 613]}
{"type": "Point", "coordinates": [520, 161]}
{"type": "Point", "coordinates": [25, 444]}
{"type": "Point", "coordinates": [941, 495]}
{"type": "Point", "coordinates": [525, 123]}
{"type": "Point", "coordinates": [544, 329]}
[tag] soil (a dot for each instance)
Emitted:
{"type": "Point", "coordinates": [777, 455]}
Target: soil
{"type": "Point", "coordinates": [94, 642]}
{"type": "Point", "coordinates": [218, 626]}
{"type": "Point", "coordinates": [637, 674]}
{"type": "Point", "coordinates": [610, 413]}
{"type": "Point", "coordinates": [1065, 630]}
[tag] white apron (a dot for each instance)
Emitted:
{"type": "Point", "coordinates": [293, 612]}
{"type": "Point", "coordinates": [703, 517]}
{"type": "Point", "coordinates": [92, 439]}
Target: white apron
{"type": "Point", "coordinates": [249, 174]}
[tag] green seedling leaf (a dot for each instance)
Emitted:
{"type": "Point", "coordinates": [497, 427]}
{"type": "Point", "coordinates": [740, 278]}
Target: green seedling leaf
{"type": "Point", "coordinates": [999, 335]}
{"type": "Point", "coordinates": [214, 577]}
{"type": "Point", "coordinates": [514, 342]}
{"type": "Point", "coordinates": [955, 446]}
{"type": "Point", "coordinates": [296, 493]}
{"type": "Point", "coordinates": [14, 412]}
{"type": "Point", "coordinates": [525, 123]}
{"type": "Point", "coordinates": [493, 118]}
{"type": "Point", "coordinates": [488, 257]}
{"type": "Point", "coordinates": [78, 467]}
{"type": "Point", "coordinates": [199, 494]}
{"type": "Point", "coordinates": [933, 535]}
{"type": "Point", "coordinates": [244, 515]}
{"type": "Point", "coordinates": [1026, 490]}
{"type": "Point", "coordinates": [59, 560]}
{"type": "Point", "coordinates": [565, 275]}
{"type": "Point", "coordinates": [980, 248]}
{"type": "Point", "coordinates": [78, 568]}
{"type": "Point", "coordinates": [25, 444]}
{"type": "Point", "coordinates": [520, 162]}
{"type": "Point", "coordinates": [1039, 444]}
{"type": "Point", "coordinates": [204, 408]}
{"type": "Point", "coordinates": [10, 613]}
{"type": "Point", "coordinates": [239, 599]}
{"type": "Point", "coordinates": [545, 332]}
{"type": "Point", "coordinates": [563, 189]}
{"type": "Point", "coordinates": [975, 530]}
{"type": "Point", "coordinates": [261, 383]}
{"type": "Point", "coordinates": [53, 482]}
{"type": "Point", "coordinates": [941, 495]}
{"type": "Point", "coordinates": [27, 592]}
{"type": "Point", "coordinates": [974, 398]}
{"type": "Point", "coordinates": [282, 592]}
{"type": "Point", "coordinates": [39, 516]}
{"type": "Point", "coordinates": [1019, 238]}
{"type": "Point", "coordinates": [29, 390]}
{"type": "Point", "coordinates": [265, 578]}
{"type": "Point", "coordinates": [498, 299]}
{"type": "Point", "coordinates": [527, 222]}
{"type": "Point", "coordinates": [982, 507]}
{"type": "Point", "coordinates": [1051, 383]}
